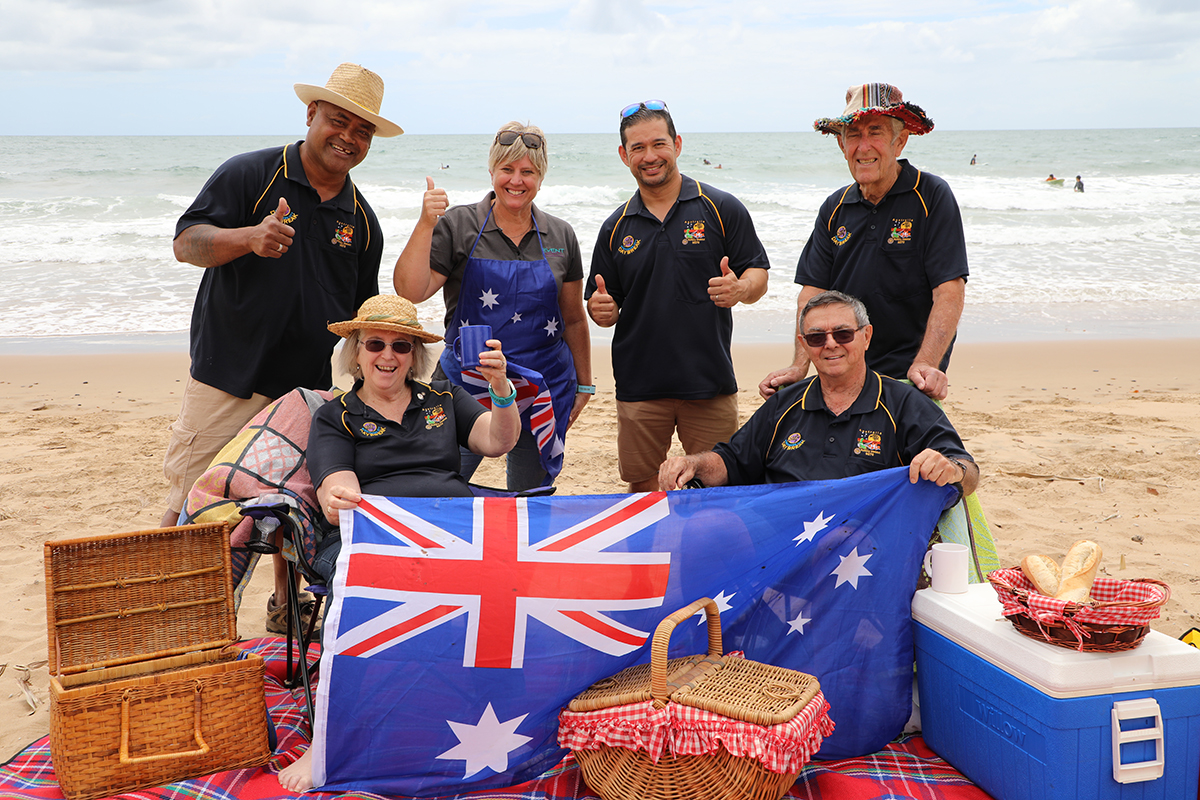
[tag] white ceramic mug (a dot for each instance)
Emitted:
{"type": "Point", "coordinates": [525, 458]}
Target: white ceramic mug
{"type": "Point", "coordinates": [946, 565]}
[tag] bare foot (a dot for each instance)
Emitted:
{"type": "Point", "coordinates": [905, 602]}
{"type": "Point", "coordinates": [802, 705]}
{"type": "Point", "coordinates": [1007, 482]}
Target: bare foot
{"type": "Point", "coordinates": [297, 776]}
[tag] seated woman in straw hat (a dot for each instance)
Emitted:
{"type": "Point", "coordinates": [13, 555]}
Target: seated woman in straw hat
{"type": "Point", "coordinates": [393, 434]}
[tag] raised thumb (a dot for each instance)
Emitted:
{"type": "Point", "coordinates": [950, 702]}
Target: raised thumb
{"type": "Point", "coordinates": [600, 285]}
{"type": "Point", "coordinates": [428, 183]}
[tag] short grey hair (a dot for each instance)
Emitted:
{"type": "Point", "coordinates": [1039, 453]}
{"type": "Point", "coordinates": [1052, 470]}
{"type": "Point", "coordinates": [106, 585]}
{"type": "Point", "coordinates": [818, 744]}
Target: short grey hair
{"type": "Point", "coordinates": [347, 357]}
{"type": "Point", "coordinates": [501, 154]}
{"type": "Point", "coordinates": [833, 298]}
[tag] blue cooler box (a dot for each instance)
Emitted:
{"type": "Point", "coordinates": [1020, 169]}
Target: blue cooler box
{"type": "Point", "coordinates": [1026, 720]}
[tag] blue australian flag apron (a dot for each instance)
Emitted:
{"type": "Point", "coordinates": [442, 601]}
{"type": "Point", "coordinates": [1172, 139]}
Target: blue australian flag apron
{"type": "Point", "coordinates": [519, 299]}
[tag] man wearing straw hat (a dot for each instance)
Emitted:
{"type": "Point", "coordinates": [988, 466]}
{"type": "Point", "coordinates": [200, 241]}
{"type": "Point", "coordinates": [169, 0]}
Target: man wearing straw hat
{"type": "Point", "coordinates": [893, 238]}
{"type": "Point", "coordinates": [287, 244]}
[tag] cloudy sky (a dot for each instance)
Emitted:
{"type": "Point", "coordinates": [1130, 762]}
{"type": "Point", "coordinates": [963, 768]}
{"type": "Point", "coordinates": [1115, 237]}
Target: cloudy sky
{"type": "Point", "coordinates": [130, 67]}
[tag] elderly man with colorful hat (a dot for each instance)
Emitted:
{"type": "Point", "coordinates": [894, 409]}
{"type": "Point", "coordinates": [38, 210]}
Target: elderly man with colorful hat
{"type": "Point", "coordinates": [893, 238]}
{"type": "Point", "coordinates": [287, 244]}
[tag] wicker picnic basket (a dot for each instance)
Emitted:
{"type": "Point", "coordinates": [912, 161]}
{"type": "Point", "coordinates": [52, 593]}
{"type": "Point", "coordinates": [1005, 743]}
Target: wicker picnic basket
{"type": "Point", "coordinates": [1117, 618]}
{"type": "Point", "coordinates": [768, 721]}
{"type": "Point", "coordinates": [146, 687]}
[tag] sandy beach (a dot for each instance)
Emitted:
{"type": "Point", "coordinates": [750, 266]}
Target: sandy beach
{"type": "Point", "coordinates": [1097, 440]}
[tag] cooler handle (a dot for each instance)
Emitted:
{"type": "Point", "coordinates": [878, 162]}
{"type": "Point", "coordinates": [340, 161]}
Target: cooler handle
{"type": "Point", "coordinates": [1137, 771]}
{"type": "Point", "coordinates": [124, 754]}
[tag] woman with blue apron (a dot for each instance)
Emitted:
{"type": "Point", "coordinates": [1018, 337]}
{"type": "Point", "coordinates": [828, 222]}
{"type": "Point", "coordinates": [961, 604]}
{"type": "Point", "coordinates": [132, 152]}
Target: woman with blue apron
{"type": "Point", "coordinates": [505, 263]}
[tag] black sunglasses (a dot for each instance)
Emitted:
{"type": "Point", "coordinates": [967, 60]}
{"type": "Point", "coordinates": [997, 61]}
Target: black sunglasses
{"type": "Point", "coordinates": [841, 336]}
{"type": "Point", "coordinates": [649, 105]}
{"type": "Point", "coordinates": [530, 140]}
{"type": "Point", "coordinates": [400, 346]}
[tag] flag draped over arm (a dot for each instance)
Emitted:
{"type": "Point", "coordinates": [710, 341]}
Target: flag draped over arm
{"type": "Point", "coordinates": [462, 626]}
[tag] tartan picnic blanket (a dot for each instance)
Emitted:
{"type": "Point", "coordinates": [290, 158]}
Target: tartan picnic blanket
{"type": "Point", "coordinates": [905, 769]}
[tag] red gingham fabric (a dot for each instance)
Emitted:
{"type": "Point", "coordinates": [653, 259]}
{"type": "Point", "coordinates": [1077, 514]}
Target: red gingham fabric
{"type": "Point", "coordinates": [683, 730]}
{"type": "Point", "coordinates": [1019, 597]}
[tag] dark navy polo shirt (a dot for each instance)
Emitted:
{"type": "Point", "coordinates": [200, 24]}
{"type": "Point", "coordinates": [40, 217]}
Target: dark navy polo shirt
{"type": "Point", "coordinates": [795, 437]}
{"type": "Point", "coordinates": [671, 341]}
{"type": "Point", "coordinates": [258, 324]}
{"type": "Point", "coordinates": [415, 457]}
{"type": "Point", "coordinates": [890, 256]}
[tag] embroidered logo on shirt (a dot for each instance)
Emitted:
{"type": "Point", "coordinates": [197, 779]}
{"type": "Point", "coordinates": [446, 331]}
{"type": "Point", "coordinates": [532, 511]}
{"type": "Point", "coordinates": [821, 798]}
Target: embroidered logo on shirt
{"type": "Point", "coordinates": [370, 429]}
{"type": "Point", "coordinates": [793, 442]}
{"type": "Point", "coordinates": [290, 218]}
{"type": "Point", "coordinates": [628, 245]}
{"type": "Point", "coordinates": [870, 443]}
{"type": "Point", "coordinates": [901, 232]}
{"type": "Point", "coordinates": [343, 235]}
{"type": "Point", "coordinates": [842, 236]}
{"type": "Point", "coordinates": [435, 416]}
{"type": "Point", "coordinates": [693, 232]}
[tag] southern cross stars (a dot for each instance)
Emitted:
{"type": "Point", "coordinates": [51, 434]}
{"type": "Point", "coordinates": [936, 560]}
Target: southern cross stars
{"type": "Point", "coordinates": [851, 568]}
{"type": "Point", "coordinates": [488, 298]}
{"type": "Point", "coordinates": [814, 527]}
{"type": "Point", "coordinates": [487, 744]}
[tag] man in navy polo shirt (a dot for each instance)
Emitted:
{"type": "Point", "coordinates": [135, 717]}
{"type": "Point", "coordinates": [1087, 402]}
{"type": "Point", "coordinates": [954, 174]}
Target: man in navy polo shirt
{"type": "Point", "coordinates": [667, 268]}
{"type": "Point", "coordinates": [846, 420]}
{"type": "Point", "coordinates": [287, 244]}
{"type": "Point", "coordinates": [893, 238]}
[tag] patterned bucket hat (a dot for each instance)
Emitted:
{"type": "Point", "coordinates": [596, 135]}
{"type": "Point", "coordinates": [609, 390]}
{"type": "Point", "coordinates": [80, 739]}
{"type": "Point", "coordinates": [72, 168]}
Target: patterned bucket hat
{"type": "Point", "coordinates": [877, 98]}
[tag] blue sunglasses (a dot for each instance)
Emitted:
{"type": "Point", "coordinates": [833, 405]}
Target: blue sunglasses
{"type": "Point", "coordinates": [649, 105]}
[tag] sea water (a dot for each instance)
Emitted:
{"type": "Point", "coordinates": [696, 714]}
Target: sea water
{"type": "Point", "coordinates": [86, 224]}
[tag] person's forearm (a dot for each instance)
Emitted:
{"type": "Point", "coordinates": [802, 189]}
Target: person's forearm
{"type": "Point", "coordinates": [579, 342]}
{"type": "Point", "coordinates": [710, 468]}
{"type": "Point", "coordinates": [412, 277]}
{"type": "Point", "coordinates": [948, 300]}
{"type": "Point", "coordinates": [754, 285]}
{"type": "Point", "coordinates": [210, 246]}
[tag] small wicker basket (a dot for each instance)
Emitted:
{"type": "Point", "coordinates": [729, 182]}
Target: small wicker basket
{"type": "Point", "coordinates": [1116, 619]}
{"type": "Point", "coordinates": [735, 688]}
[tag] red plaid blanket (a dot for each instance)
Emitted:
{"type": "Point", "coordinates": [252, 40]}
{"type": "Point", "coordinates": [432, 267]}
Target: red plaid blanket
{"type": "Point", "coordinates": [905, 768]}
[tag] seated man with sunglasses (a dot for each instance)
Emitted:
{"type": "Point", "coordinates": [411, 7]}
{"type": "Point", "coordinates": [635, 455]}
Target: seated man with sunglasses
{"type": "Point", "coordinates": [846, 420]}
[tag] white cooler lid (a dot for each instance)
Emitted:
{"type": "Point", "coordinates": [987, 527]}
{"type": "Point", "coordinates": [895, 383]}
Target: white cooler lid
{"type": "Point", "coordinates": [975, 620]}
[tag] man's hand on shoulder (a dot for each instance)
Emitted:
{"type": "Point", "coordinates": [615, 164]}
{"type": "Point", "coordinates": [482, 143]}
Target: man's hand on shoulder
{"type": "Point", "coordinates": [930, 380]}
{"type": "Point", "coordinates": [601, 306]}
{"type": "Point", "coordinates": [779, 379]}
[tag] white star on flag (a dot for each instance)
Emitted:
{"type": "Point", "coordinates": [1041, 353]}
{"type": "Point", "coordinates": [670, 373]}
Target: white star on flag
{"type": "Point", "coordinates": [551, 327]}
{"type": "Point", "coordinates": [851, 568]}
{"type": "Point", "coordinates": [797, 624]}
{"type": "Point", "coordinates": [723, 605]}
{"type": "Point", "coordinates": [813, 527]}
{"type": "Point", "coordinates": [488, 298]}
{"type": "Point", "coordinates": [486, 744]}
{"type": "Point", "coordinates": [516, 317]}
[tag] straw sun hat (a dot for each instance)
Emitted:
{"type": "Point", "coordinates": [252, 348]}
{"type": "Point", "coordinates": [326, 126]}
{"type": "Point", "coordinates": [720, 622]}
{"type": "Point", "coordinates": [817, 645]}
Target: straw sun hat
{"type": "Point", "coordinates": [386, 312]}
{"type": "Point", "coordinates": [355, 89]}
{"type": "Point", "coordinates": [877, 98]}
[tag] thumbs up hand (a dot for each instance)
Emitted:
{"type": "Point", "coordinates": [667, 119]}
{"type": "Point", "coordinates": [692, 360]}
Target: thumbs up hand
{"type": "Point", "coordinates": [602, 308]}
{"type": "Point", "coordinates": [272, 237]}
{"type": "Point", "coordinates": [726, 291]}
{"type": "Point", "coordinates": [433, 203]}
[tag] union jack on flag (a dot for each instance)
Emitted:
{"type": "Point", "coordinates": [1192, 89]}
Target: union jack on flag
{"type": "Point", "coordinates": [462, 626]}
{"type": "Point", "coordinates": [535, 406]}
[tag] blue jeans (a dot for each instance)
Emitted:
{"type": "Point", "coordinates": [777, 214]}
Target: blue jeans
{"type": "Point", "coordinates": [523, 465]}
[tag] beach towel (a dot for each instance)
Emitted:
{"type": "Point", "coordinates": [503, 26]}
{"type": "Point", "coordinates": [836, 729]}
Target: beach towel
{"type": "Point", "coordinates": [267, 457]}
{"type": "Point", "coordinates": [905, 768]}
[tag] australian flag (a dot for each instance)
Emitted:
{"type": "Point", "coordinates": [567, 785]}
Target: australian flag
{"type": "Point", "coordinates": [461, 627]}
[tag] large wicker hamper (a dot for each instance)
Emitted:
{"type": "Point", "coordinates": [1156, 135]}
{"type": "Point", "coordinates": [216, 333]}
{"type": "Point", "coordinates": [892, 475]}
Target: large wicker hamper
{"type": "Point", "coordinates": [146, 687]}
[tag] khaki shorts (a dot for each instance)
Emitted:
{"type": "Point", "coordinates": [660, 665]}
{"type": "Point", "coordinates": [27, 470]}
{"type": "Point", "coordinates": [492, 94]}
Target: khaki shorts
{"type": "Point", "coordinates": [644, 431]}
{"type": "Point", "coordinates": [208, 419]}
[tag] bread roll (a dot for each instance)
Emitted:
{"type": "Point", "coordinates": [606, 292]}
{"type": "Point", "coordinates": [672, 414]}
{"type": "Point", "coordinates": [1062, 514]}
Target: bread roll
{"type": "Point", "coordinates": [1042, 572]}
{"type": "Point", "coordinates": [1079, 572]}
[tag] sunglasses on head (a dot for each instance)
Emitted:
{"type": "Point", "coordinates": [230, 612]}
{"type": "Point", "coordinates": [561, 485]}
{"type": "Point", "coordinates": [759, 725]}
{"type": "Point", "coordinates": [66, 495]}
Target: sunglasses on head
{"type": "Point", "coordinates": [841, 336]}
{"type": "Point", "coordinates": [649, 105]}
{"type": "Point", "coordinates": [400, 346]}
{"type": "Point", "coordinates": [530, 140]}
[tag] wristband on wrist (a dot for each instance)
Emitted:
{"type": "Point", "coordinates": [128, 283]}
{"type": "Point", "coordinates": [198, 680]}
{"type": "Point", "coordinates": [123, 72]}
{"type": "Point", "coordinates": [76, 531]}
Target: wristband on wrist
{"type": "Point", "coordinates": [581, 389]}
{"type": "Point", "coordinates": [503, 402]}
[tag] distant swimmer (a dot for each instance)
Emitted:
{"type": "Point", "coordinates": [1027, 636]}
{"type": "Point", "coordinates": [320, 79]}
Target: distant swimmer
{"type": "Point", "coordinates": [1079, 183]}
{"type": "Point", "coordinates": [973, 160]}
{"type": "Point", "coordinates": [707, 162]}
{"type": "Point", "coordinates": [1053, 181]}
{"type": "Point", "coordinates": [1051, 178]}
{"type": "Point", "coordinates": [718, 166]}
{"type": "Point", "coordinates": [444, 166]}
